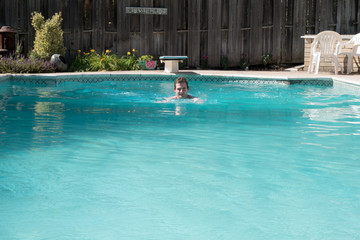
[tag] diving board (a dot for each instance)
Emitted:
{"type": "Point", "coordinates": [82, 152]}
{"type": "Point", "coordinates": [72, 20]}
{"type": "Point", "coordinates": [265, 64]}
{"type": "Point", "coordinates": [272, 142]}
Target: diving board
{"type": "Point", "coordinates": [172, 63]}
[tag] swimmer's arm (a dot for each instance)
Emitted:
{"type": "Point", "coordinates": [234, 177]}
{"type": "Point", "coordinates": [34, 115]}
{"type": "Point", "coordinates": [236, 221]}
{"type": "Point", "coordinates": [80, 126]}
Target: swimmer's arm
{"type": "Point", "coordinates": [166, 99]}
{"type": "Point", "coordinates": [196, 99]}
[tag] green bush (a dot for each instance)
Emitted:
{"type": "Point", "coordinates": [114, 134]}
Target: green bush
{"type": "Point", "coordinates": [93, 61]}
{"type": "Point", "coordinates": [224, 62]}
{"type": "Point", "coordinates": [244, 64]}
{"type": "Point", "coordinates": [145, 58]}
{"type": "Point", "coordinates": [48, 36]}
{"type": "Point", "coordinates": [267, 59]}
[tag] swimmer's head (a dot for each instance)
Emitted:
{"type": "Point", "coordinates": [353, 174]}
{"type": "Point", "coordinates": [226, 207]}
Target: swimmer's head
{"type": "Point", "coordinates": [181, 87]}
{"type": "Point", "coordinates": [181, 80]}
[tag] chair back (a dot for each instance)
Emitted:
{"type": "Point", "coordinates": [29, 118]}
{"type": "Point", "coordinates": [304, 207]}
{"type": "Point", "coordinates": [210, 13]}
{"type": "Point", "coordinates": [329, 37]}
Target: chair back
{"type": "Point", "coordinates": [326, 42]}
{"type": "Point", "coordinates": [355, 40]}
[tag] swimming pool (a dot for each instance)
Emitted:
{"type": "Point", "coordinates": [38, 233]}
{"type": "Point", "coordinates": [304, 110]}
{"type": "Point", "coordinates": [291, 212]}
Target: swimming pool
{"type": "Point", "coordinates": [107, 160]}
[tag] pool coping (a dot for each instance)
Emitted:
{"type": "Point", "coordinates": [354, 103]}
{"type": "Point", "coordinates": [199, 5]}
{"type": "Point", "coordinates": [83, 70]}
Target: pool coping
{"type": "Point", "coordinates": [352, 79]}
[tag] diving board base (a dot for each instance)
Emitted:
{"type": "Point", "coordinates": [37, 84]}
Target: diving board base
{"type": "Point", "coordinates": [172, 63]}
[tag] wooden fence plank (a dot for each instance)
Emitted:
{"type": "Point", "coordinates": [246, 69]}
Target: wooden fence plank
{"type": "Point", "coordinates": [33, 6]}
{"type": "Point", "coordinates": [194, 33]}
{"type": "Point", "coordinates": [146, 28]}
{"type": "Point", "coordinates": [2, 12]}
{"type": "Point", "coordinates": [267, 27]}
{"type": "Point", "coordinates": [123, 28]}
{"type": "Point", "coordinates": [358, 18]}
{"type": "Point", "coordinates": [299, 27]}
{"type": "Point", "coordinates": [234, 32]}
{"type": "Point", "coordinates": [203, 29]}
{"type": "Point", "coordinates": [77, 29]}
{"type": "Point", "coordinates": [324, 14]}
{"type": "Point", "coordinates": [214, 32]}
{"type": "Point", "coordinates": [278, 22]}
{"type": "Point", "coordinates": [346, 16]}
{"type": "Point", "coordinates": [182, 27]}
{"type": "Point", "coordinates": [170, 28]}
{"type": "Point", "coordinates": [256, 44]}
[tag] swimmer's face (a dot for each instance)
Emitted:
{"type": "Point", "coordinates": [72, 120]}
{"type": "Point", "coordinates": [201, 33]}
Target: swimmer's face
{"type": "Point", "coordinates": [181, 90]}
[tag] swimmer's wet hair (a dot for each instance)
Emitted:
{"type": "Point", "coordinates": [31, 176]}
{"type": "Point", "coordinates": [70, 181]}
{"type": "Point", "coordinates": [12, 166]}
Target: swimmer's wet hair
{"type": "Point", "coordinates": [181, 80]}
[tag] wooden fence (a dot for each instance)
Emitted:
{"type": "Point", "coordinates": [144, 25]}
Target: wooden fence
{"type": "Point", "coordinates": [232, 29]}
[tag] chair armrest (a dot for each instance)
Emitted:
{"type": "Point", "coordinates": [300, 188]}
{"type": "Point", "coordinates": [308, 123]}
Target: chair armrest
{"type": "Point", "coordinates": [313, 45]}
{"type": "Point", "coordinates": [340, 47]}
{"type": "Point", "coordinates": [356, 49]}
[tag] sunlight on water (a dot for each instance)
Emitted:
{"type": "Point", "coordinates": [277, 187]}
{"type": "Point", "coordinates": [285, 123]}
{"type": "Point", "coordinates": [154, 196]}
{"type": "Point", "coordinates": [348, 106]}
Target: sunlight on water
{"type": "Point", "coordinates": [111, 160]}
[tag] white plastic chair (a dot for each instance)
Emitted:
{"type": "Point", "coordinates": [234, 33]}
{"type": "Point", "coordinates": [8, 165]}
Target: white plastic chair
{"type": "Point", "coordinates": [355, 51]}
{"type": "Point", "coordinates": [325, 45]}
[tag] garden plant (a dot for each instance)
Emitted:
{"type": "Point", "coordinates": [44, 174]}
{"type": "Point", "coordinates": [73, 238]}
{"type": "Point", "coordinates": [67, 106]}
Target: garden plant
{"type": "Point", "coordinates": [20, 64]}
{"type": "Point", "coordinates": [106, 61]}
{"type": "Point", "coordinates": [48, 36]}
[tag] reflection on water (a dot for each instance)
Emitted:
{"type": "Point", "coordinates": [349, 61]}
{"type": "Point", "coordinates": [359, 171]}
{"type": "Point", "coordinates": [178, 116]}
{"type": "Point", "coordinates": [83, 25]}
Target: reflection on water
{"type": "Point", "coordinates": [180, 110]}
{"type": "Point", "coordinates": [334, 114]}
{"type": "Point", "coordinates": [48, 121]}
{"type": "Point", "coordinates": [3, 102]}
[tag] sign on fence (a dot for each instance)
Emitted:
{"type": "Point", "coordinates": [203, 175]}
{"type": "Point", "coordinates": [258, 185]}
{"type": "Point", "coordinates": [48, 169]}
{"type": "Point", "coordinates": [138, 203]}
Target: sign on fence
{"type": "Point", "coordinates": [142, 10]}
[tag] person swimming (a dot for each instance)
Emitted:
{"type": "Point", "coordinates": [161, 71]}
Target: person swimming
{"type": "Point", "coordinates": [181, 89]}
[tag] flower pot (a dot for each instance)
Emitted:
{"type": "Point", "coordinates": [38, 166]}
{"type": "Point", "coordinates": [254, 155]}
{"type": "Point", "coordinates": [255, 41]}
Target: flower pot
{"type": "Point", "coordinates": [147, 65]}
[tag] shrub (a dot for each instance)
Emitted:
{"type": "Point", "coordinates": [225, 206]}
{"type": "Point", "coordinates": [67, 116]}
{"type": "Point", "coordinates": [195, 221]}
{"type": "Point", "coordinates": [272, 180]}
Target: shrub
{"type": "Point", "coordinates": [93, 61]}
{"type": "Point", "coordinates": [243, 61]}
{"type": "Point", "coordinates": [267, 59]}
{"type": "Point", "coordinates": [224, 62]}
{"type": "Point", "coordinates": [130, 61]}
{"type": "Point", "coordinates": [145, 58]}
{"type": "Point", "coordinates": [48, 36]}
{"type": "Point", "coordinates": [18, 50]}
{"type": "Point", "coordinates": [25, 65]}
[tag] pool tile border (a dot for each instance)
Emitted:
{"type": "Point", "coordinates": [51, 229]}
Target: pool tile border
{"type": "Point", "coordinates": [54, 79]}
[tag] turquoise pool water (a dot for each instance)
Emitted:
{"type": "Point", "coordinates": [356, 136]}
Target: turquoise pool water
{"type": "Point", "coordinates": [107, 161]}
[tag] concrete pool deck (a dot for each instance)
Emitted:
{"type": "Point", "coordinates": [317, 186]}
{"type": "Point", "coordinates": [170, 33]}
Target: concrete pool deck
{"type": "Point", "coordinates": [353, 79]}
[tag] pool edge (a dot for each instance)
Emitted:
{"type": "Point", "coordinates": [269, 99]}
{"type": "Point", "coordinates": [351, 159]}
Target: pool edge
{"type": "Point", "coordinates": [292, 77]}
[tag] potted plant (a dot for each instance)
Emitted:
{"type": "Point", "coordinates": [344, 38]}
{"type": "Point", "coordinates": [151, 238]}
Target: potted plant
{"type": "Point", "coordinates": [146, 62]}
